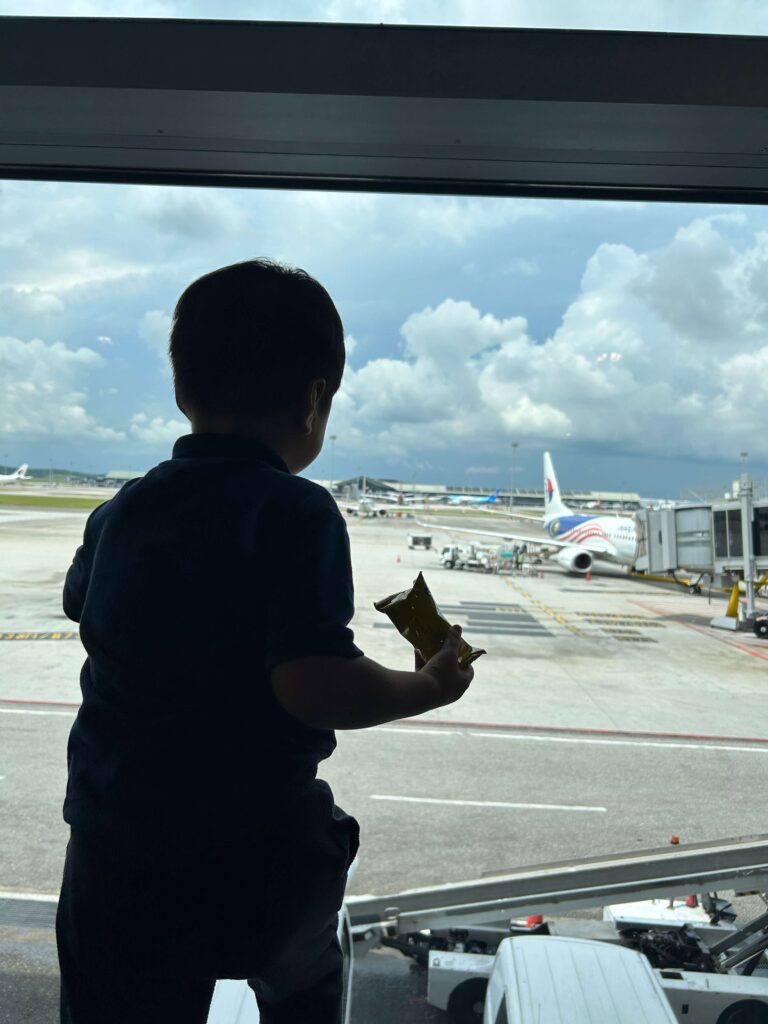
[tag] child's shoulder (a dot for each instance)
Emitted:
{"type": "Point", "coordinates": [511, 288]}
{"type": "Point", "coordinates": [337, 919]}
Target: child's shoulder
{"type": "Point", "coordinates": [304, 494]}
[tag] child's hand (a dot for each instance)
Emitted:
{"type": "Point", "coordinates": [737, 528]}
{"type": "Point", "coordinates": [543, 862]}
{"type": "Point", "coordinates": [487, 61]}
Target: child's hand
{"type": "Point", "coordinates": [445, 669]}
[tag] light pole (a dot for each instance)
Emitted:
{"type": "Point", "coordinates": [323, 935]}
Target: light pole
{"type": "Point", "coordinates": [333, 461]}
{"type": "Point", "coordinates": [512, 476]}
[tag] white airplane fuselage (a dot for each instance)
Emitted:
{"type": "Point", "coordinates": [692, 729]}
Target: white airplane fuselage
{"type": "Point", "coordinates": [610, 537]}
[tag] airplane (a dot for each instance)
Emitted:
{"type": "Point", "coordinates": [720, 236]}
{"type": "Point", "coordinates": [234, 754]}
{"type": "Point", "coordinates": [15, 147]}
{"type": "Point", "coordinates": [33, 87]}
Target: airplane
{"type": "Point", "coordinates": [575, 540]}
{"type": "Point", "coordinates": [473, 499]}
{"type": "Point", "coordinates": [12, 478]}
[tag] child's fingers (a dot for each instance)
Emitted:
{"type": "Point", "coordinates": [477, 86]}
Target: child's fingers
{"type": "Point", "coordinates": [453, 639]}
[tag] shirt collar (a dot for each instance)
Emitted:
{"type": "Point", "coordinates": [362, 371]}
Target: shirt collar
{"type": "Point", "coordinates": [226, 446]}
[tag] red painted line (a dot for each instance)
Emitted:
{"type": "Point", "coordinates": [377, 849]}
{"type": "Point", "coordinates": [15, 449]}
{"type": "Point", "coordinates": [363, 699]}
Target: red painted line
{"type": "Point", "coordinates": [583, 731]}
{"type": "Point", "coordinates": [704, 632]}
{"type": "Point", "coordinates": [56, 703]}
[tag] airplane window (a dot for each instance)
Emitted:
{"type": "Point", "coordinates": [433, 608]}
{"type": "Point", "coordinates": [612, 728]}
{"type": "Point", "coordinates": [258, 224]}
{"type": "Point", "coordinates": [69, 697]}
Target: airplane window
{"type": "Point", "coordinates": [524, 378]}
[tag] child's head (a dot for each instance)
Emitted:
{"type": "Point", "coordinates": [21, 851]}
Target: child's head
{"type": "Point", "coordinates": [258, 341]}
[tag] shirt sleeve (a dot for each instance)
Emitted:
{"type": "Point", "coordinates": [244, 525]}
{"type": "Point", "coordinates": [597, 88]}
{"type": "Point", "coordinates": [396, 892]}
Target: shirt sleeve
{"type": "Point", "coordinates": [311, 598]}
{"type": "Point", "coordinates": [79, 573]}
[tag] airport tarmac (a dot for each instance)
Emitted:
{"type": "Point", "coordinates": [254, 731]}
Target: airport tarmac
{"type": "Point", "coordinates": [607, 715]}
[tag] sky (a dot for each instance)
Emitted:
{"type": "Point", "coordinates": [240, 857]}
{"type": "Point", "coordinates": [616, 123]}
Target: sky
{"type": "Point", "coordinates": [630, 339]}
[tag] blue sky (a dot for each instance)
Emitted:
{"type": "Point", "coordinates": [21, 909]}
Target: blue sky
{"type": "Point", "coordinates": [630, 339]}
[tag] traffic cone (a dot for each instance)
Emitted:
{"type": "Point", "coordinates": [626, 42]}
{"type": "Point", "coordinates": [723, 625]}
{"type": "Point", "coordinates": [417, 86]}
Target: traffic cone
{"type": "Point", "coordinates": [397, 559]}
{"type": "Point", "coordinates": [588, 577]}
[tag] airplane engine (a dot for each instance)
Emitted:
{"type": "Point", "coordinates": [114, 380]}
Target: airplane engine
{"type": "Point", "coordinates": [574, 559]}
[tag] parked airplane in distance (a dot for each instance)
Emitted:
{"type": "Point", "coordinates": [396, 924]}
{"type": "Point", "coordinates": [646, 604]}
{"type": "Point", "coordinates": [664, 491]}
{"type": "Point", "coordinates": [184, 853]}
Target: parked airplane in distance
{"type": "Point", "coordinates": [575, 540]}
{"type": "Point", "coordinates": [12, 478]}
{"type": "Point", "coordinates": [473, 499]}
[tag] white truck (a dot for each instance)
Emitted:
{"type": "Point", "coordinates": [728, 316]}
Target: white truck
{"type": "Point", "coordinates": [467, 556]}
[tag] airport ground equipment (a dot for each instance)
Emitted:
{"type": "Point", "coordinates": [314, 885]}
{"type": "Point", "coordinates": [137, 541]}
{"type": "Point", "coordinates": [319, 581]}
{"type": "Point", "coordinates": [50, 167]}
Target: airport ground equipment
{"type": "Point", "coordinates": [456, 930]}
{"type": "Point", "coordinates": [467, 556]}
{"type": "Point", "coordinates": [420, 540]}
{"type": "Point", "coordinates": [573, 981]}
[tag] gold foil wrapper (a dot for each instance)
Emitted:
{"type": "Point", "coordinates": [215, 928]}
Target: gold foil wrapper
{"type": "Point", "coordinates": [418, 619]}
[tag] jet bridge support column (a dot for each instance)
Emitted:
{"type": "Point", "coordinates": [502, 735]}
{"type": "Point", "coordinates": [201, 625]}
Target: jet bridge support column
{"type": "Point", "coordinates": [747, 541]}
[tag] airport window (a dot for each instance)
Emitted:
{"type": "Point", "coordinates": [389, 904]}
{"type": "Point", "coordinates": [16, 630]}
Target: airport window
{"type": "Point", "coordinates": [738, 17]}
{"type": "Point", "coordinates": [481, 334]}
{"type": "Point", "coordinates": [462, 332]}
{"type": "Point", "coordinates": [760, 530]}
{"type": "Point", "coordinates": [735, 547]}
{"type": "Point", "coordinates": [721, 534]}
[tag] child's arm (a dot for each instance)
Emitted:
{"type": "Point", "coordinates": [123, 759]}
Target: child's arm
{"type": "Point", "coordinates": [328, 692]}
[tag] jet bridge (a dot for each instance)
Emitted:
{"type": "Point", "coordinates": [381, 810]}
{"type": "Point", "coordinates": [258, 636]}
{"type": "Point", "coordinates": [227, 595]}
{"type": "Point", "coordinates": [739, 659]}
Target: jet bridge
{"type": "Point", "coordinates": [724, 540]}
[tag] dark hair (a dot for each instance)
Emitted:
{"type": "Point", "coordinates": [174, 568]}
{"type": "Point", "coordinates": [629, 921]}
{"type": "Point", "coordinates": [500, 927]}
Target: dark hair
{"type": "Point", "coordinates": [247, 338]}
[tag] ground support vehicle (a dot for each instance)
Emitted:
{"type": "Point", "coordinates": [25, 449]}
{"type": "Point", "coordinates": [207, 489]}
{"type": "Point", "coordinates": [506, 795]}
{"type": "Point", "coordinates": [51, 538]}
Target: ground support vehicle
{"type": "Point", "coordinates": [420, 540]}
{"type": "Point", "coordinates": [467, 556]}
{"type": "Point", "coordinates": [492, 956]}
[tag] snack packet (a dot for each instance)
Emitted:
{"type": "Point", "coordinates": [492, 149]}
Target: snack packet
{"type": "Point", "coordinates": [417, 618]}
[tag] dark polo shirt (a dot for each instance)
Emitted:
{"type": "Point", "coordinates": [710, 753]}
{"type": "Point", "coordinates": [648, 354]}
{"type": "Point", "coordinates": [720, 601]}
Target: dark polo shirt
{"type": "Point", "coordinates": [192, 583]}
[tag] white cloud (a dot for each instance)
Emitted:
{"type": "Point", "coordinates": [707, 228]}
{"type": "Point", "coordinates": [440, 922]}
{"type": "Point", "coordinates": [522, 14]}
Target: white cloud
{"type": "Point", "coordinates": [154, 329]}
{"type": "Point", "coordinates": [661, 352]}
{"type": "Point", "coordinates": [72, 268]}
{"type": "Point", "coordinates": [42, 392]}
{"type": "Point", "coordinates": [199, 214]}
{"type": "Point", "coordinates": [156, 431]}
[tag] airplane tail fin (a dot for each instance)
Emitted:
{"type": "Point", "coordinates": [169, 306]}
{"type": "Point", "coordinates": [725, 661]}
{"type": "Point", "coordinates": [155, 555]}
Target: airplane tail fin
{"type": "Point", "coordinates": [554, 506]}
{"type": "Point", "coordinates": [21, 472]}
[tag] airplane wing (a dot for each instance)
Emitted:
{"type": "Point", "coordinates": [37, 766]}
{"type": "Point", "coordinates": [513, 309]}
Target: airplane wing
{"type": "Point", "coordinates": [596, 545]}
{"type": "Point", "coordinates": [543, 542]}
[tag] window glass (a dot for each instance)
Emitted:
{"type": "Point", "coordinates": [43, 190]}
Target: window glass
{"type": "Point", "coordinates": [760, 528]}
{"type": "Point", "coordinates": [625, 339]}
{"type": "Point", "coordinates": [740, 17]}
{"type": "Point", "coordinates": [735, 546]}
{"type": "Point", "coordinates": [721, 534]}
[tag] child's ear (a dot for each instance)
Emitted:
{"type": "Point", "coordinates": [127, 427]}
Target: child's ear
{"type": "Point", "coordinates": [316, 391]}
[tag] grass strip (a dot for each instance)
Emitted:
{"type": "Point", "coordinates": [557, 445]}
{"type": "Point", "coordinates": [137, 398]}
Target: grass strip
{"type": "Point", "coordinates": [48, 501]}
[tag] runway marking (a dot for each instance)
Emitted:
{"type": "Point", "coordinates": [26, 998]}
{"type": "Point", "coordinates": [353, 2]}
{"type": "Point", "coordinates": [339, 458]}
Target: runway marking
{"type": "Point", "coordinates": [580, 730]}
{"type": "Point", "coordinates": [37, 897]}
{"type": "Point", "coordinates": [547, 611]}
{"type": "Point", "coordinates": [32, 711]}
{"type": "Point", "coordinates": [21, 635]}
{"type": "Point", "coordinates": [707, 631]}
{"type": "Point", "coordinates": [617, 743]}
{"type": "Point", "coordinates": [576, 739]}
{"type": "Point", "coordinates": [422, 732]}
{"type": "Point", "coordinates": [490, 803]}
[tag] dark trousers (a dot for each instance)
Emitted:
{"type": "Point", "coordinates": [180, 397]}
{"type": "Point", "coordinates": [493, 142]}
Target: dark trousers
{"type": "Point", "coordinates": [129, 1000]}
{"type": "Point", "coordinates": [144, 929]}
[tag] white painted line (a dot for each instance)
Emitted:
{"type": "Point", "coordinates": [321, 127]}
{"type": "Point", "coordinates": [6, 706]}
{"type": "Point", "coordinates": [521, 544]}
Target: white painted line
{"type": "Point", "coordinates": [488, 803]}
{"type": "Point", "coordinates": [421, 732]}
{"type": "Point", "coordinates": [30, 711]}
{"type": "Point", "coordinates": [37, 897]}
{"type": "Point", "coordinates": [615, 743]}
{"type": "Point", "coordinates": [588, 740]}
